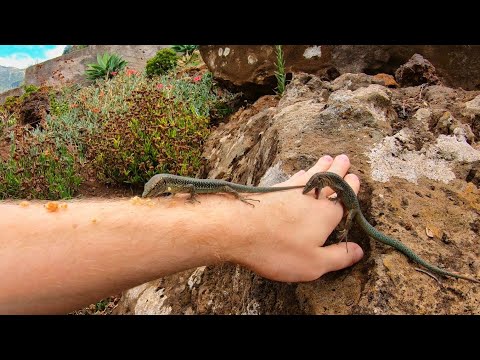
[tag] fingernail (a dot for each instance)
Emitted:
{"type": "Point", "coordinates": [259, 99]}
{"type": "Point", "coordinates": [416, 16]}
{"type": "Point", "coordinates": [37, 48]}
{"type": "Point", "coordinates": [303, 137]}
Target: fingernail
{"type": "Point", "coordinates": [327, 158]}
{"type": "Point", "coordinates": [343, 157]}
{"type": "Point", "coordinates": [358, 253]}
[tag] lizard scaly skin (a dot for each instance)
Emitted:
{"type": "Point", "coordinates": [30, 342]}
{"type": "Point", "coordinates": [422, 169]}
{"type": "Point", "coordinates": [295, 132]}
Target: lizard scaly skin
{"type": "Point", "coordinates": [346, 194]}
{"type": "Point", "coordinates": [166, 183]}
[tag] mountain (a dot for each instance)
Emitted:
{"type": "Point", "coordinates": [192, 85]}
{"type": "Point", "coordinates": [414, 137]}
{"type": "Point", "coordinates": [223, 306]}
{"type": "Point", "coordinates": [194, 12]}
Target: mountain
{"type": "Point", "coordinates": [10, 78]}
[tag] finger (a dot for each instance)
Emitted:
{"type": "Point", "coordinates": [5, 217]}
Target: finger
{"type": "Point", "coordinates": [353, 181]}
{"type": "Point", "coordinates": [301, 177]}
{"type": "Point", "coordinates": [335, 257]}
{"type": "Point", "coordinates": [339, 166]}
{"type": "Point", "coordinates": [297, 174]}
{"type": "Point", "coordinates": [322, 165]}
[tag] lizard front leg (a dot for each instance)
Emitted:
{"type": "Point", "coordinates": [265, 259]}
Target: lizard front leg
{"type": "Point", "coordinates": [193, 195]}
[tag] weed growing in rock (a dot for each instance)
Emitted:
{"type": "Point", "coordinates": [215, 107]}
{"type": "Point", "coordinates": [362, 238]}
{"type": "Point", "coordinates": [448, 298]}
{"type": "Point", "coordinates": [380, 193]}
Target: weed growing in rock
{"type": "Point", "coordinates": [280, 72]}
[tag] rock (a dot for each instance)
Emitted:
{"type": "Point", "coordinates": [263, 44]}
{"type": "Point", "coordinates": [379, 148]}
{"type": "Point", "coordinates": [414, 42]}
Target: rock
{"type": "Point", "coordinates": [417, 71]}
{"type": "Point", "coordinates": [386, 80]}
{"type": "Point", "coordinates": [70, 68]}
{"type": "Point", "coordinates": [472, 111]}
{"type": "Point", "coordinates": [408, 185]}
{"type": "Point", "coordinates": [34, 109]}
{"type": "Point", "coordinates": [251, 68]}
{"type": "Point", "coordinates": [472, 107]}
{"type": "Point", "coordinates": [448, 125]}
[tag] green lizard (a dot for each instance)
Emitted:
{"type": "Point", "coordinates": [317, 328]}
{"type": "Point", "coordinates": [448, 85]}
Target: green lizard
{"type": "Point", "coordinates": [165, 183]}
{"type": "Point", "coordinates": [346, 194]}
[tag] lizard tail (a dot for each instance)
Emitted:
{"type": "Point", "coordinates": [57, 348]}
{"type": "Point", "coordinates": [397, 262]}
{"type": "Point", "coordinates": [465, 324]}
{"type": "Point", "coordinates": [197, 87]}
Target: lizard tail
{"type": "Point", "coordinates": [262, 189]}
{"type": "Point", "coordinates": [377, 235]}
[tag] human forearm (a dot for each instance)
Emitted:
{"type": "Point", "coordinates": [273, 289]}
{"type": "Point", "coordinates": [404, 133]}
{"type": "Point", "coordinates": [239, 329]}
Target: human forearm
{"type": "Point", "coordinates": [56, 262]}
{"type": "Point", "coordinates": [95, 248]}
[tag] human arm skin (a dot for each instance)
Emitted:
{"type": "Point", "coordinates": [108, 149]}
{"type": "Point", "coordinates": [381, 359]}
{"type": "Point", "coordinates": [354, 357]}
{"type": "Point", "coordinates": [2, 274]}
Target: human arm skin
{"type": "Point", "coordinates": [57, 262]}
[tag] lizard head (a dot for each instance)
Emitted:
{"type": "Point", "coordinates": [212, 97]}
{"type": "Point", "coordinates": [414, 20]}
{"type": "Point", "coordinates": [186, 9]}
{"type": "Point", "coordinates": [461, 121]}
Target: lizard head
{"type": "Point", "coordinates": [320, 180]}
{"type": "Point", "coordinates": [317, 181]}
{"type": "Point", "coordinates": [155, 186]}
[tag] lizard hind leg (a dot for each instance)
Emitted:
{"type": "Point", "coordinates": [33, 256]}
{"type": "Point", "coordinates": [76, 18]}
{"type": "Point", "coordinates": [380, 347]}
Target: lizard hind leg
{"type": "Point", "coordinates": [237, 195]}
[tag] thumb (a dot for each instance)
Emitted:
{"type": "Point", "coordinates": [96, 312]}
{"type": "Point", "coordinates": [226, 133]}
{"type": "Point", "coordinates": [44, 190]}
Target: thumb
{"type": "Point", "coordinates": [335, 257]}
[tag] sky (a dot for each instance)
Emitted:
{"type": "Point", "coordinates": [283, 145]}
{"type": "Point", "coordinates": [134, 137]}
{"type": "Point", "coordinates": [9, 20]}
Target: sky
{"type": "Point", "coordinates": [22, 56]}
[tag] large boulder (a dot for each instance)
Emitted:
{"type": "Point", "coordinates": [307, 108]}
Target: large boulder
{"type": "Point", "coordinates": [251, 68]}
{"type": "Point", "coordinates": [419, 183]}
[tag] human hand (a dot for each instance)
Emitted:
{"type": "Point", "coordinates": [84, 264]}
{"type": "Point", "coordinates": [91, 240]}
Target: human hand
{"type": "Point", "coordinates": [286, 230]}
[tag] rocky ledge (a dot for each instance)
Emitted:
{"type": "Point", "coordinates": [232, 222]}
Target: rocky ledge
{"type": "Point", "coordinates": [415, 150]}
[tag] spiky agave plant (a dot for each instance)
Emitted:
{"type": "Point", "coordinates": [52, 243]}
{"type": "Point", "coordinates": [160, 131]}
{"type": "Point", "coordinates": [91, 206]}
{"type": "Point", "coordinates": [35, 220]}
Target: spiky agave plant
{"type": "Point", "coordinates": [184, 49]}
{"type": "Point", "coordinates": [106, 67]}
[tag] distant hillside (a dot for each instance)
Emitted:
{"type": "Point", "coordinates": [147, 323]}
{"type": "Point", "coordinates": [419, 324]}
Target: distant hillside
{"type": "Point", "coordinates": [10, 78]}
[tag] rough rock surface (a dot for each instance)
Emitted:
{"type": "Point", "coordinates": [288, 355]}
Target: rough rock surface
{"type": "Point", "coordinates": [70, 68]}
{"type": "Point", "coordinates": [251, 68]}
{"type": "Point", "coordinates": [419, 183]}
{"type": "Point", "coordinates": [416, 71]}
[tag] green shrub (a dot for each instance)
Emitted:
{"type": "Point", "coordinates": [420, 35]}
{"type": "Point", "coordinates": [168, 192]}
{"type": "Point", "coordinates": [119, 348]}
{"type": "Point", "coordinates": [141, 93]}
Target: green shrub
{"type": "Point", "coordinates": [154, 135]}
{"type": "Point", "coordinates": [199, 93]}
{"type": "Point", "coordinates": [29, 89]}
{"type": "Point", "coordinates": [69, 48]}
{"type": "Point", "coordinates": [11, 102]}
{"type": "Point", "coordinates": [57, 107]}
{"type": "Point", "coordinates": [107, 66]}
{"type": "Point", "coordinates": [38, 169]}
{"type": "Point", "coordinates": [7, 119]}
{"type": "Point", "coordinates": [164, 61]}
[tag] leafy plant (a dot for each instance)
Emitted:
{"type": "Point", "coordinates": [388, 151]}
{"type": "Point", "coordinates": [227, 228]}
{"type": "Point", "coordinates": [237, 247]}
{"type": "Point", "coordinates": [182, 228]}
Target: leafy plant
{"type": "Point", "coordinates": [154, 135]}
{"type": "Point", "coordinates": [58, 107]}
{"type": "Point", "coordinates": [187, 52]}
{"type": "Point", "coordinates": [39, 169]}
{"type": "Point", "coordinates": [10, 104]}
{"type": "Point", "coordinates": [108, 65]}
{"type": "Point", "coordinates": [280, 72]}
{"type": "Point", "coordinates": [164, 61]}
{"type": "Point", "coordinates": [199, 93]}
{"type": "Point", "coordinates": [7, 119]}
{"type": "Point", "coordinates": [30, 89]}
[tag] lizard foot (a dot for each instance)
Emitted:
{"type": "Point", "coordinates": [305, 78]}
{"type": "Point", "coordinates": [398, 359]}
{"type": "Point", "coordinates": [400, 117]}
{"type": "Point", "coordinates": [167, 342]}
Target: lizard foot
{"type": "Point", "coordinates": [343, 237]}
{"type": "Point", "coordinates": [429, 274]}
{"type": "Point", "coordinates": [192, 199]}
{"type": "Point", "coordinates": [246, 200]}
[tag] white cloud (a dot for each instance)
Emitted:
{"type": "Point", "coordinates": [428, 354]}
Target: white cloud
{"type": "Point", "coordinates": [18, 60]}
{"type": "Point", "coordinates": [22, 60]}
{"type": "Point", "coordinates": [56, 51]}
